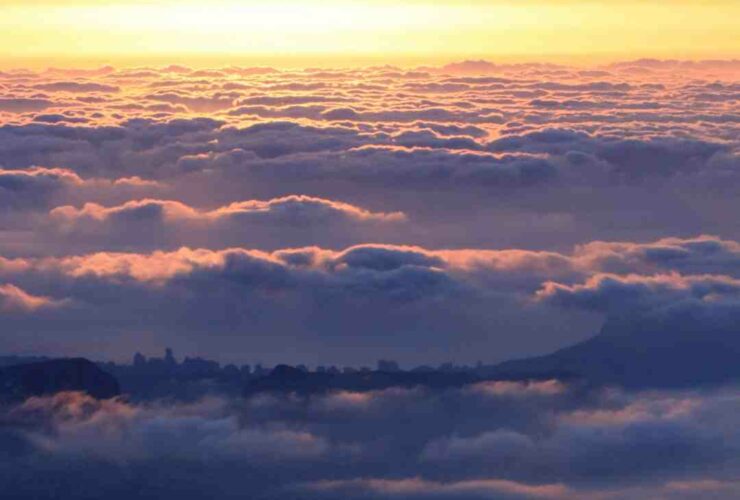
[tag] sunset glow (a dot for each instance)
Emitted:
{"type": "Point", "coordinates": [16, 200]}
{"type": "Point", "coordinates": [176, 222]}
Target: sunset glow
{"type": "Point", "coordinates": [421, 29]}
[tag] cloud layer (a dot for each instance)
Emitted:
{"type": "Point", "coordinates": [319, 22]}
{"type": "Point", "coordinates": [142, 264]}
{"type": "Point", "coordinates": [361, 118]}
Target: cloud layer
{"type": "Point", "coordinates": [476, 211]}
{"type": "Point", "coordinates": [491, 440]}
{"type": "Point", "coordinates": [479, 210]}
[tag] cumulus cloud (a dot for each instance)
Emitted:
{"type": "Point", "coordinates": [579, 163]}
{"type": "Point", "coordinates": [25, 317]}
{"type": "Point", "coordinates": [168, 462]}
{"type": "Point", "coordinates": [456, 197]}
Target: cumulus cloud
{"type": "Point", "coordinates": [412, 294]}
{"type": "Point", "coordinates": [420, 488]}
{"type": "Point", "coordinates": [558, 145]}
{"type": "Point", "coordinates": [476, 211]}
{"type": "Point", "coordinates": [425, 295]}
{"type": "Point", "coordinates": [114, 430]}
{"type": "Point", "coordinates": [21, 105]}
{"type": "Point", "coordinates": [704, 254]}
{"type": "Point", "coordinates": [295, 209]}
{"type": "Point", "coordinates": [153, 223]}
{"type": "Point", "coordinates": [14, 299]}
{"type": "Point", "coordinates": [34, 185]}
{"type": "Point", "coordinates": [75, 86]}
{"type": "Point", "coordinates": [478, 208]}
{"type": "Point", "coordinates": [396, 443]}
{"type": "Point", "coordinates": [40, 188]}
{"type": "Point", "coordinates": [636, 292]}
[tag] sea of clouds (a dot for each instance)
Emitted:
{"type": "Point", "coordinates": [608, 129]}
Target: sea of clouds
{"type": "Point", "coordinates": [492, 440]}
{"type": "Point", "coordinates": [464, 213]}
{"type": "Point", "coordinates": [474, 211]}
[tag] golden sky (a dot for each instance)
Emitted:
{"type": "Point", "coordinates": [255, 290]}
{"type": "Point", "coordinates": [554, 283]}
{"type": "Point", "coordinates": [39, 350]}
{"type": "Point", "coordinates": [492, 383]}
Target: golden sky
{"type": "Point", "coordinates": [385, 29]}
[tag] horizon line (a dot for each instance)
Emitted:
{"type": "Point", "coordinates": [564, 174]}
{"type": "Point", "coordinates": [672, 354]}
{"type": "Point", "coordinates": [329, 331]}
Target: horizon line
{"type": "Point", "coordinates": [338, 59]}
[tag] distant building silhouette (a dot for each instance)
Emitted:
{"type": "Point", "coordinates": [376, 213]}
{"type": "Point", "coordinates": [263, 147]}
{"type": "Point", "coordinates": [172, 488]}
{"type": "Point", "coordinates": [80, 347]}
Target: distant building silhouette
{"type": "Point", "coordinates": [169, 358]}
{"type": "Point", "coordinates": [139, 359]}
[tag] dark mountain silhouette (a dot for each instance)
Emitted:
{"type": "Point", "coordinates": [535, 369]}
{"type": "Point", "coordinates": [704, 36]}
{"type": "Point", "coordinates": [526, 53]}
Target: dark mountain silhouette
{"type": "Point", "coordinates": [676, 350]}
{"type": "Point", "coordinates": [638, 352]}
{"type": "Point", "coordinates": [642, 353]}
{"type": "Point", "coordinates": [286, 378]}
{"type": "Point", "coordinates": [48, 377]}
